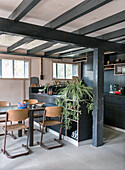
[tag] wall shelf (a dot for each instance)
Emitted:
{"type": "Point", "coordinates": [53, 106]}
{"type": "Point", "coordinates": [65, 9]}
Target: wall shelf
{"type": "Point", "coordinates": [119, 68]}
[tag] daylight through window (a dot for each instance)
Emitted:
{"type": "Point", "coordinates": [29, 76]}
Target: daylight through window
{"type": "Point", "coordinates": [14, 68]}
{"type": "Point", "coordinates": [64, 71]}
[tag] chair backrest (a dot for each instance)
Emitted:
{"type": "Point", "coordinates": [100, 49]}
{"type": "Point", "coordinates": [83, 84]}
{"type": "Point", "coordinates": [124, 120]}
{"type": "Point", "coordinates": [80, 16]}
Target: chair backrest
{"type": "Point", "coordinates": [53, 111]}
{"type": "Point", "coordinates": [31, 101]}
{"type": "Point", "coordinates": [18, 115]}
{"type": "Point", "coordinates": [33, 85]}
{"type": "Point", "coordinates": [4, 103]}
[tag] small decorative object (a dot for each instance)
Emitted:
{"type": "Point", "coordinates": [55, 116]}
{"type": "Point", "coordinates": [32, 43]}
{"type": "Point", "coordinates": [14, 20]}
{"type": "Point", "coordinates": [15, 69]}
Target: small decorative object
{"type": "Point", "coordinates": [117, 92]}
{"type": "Point", "coordinates": [117, 60]}
{"type": "Point", "coordinates": [74, 135]}
{"type": "Point", "coordinates": [108, 62]}
{"type": "Point", "coordinates": [111, 89]}
{"type": "Point", "coordinates": [22, 105]}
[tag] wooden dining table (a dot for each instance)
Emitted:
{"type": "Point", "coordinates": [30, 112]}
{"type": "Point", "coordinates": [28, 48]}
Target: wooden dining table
{"type": "Point", "coordinates": [4, 110]}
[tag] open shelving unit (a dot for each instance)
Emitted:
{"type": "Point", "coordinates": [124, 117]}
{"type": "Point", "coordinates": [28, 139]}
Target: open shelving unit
{"type": "Point", "coordinates": [109, 67]}
{"type": "Point", "coordinates": [119, 68]}
{"type": "Point", "coordinates": [83, 125]}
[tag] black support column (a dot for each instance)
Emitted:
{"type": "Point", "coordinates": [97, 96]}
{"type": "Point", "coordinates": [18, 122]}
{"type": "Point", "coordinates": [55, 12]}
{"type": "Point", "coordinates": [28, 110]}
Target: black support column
{"type": "Point", "coordinates": [98, 85]}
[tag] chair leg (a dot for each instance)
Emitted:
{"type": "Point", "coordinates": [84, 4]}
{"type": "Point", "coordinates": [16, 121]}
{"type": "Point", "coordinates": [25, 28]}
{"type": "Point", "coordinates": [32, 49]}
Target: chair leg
{"type": "Point", "coordinates": [14, 156]}
{"type": "Point", "coordinates": [5, 142]}
{"type": "Point", "coordinates": [12, 135]}
{"type": "Point", "coordinates": [60, 132]}
{"type": "Point", "coordinates": [57, 140]}
{"type": "Point", "coordinates": [27, 138]}
{"type": "Point", "coordinates": [42, 136]}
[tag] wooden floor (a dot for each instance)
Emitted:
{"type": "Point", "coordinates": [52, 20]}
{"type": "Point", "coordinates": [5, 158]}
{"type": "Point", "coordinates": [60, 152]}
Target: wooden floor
{"type": "Point", "coordinates": [111, 156]}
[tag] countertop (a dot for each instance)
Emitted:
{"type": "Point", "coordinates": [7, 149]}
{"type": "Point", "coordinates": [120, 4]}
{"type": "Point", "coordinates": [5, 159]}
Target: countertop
{"type": "Point", "coordinates": [116, 95]}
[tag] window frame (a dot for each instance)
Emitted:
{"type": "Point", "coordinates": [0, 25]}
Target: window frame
{"type": "Point", "coordinates": [65, 73]}
{"type": "Point", "coordinates": [12, 58]}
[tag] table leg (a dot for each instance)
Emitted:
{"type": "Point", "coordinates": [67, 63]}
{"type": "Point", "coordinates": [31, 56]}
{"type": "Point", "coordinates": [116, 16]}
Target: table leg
{"type": "Point", "coordinates": [20, 131]}
{"type": "Point", "coordinates": [31, 128]}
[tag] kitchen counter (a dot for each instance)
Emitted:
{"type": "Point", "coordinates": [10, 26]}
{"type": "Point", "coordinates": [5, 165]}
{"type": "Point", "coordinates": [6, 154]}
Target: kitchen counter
{"type": "Point", "coordinates": [112, 94]}
{"type": "Point", "coordinates": [43, 97]}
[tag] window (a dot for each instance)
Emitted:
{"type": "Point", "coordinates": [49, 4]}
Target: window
{"type": "Point", "coordinates": [14, 68]}
{"type": "Point", "coordinates": [64, 71]}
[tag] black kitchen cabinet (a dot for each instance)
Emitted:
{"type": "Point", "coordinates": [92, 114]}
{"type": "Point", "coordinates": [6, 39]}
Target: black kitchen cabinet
{"type": "Point", "coordinates": [114, 110]}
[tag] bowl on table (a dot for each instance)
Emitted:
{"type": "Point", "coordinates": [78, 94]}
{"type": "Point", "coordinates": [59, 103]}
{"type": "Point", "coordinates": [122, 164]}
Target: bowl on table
{"type": "Point", "coordinates": [40, 104]}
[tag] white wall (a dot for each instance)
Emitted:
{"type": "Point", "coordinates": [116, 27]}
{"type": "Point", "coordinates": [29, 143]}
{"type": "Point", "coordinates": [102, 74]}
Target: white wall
{"type": "Point", "coordinates": [15, 91]}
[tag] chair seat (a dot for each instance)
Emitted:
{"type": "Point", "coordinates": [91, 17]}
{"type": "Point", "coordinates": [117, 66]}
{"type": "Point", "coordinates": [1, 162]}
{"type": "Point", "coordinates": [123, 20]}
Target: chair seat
{"type": "Point", "coordinates": [15, 127]}
{"type": "Point", "coordinates": [50, 123]}
{"type": "Point", "coordinates": [37, 115]}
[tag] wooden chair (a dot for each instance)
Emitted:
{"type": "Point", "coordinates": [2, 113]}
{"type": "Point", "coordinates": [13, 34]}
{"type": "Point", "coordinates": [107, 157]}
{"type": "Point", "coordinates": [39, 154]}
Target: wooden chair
{"type": "Point", "coordinates": [4, 103]}
{"type": "Point", "coordinates": [3, 119]}
{"type": "Point", "coordinates": [51, 112]}
{"type": "Point", "coordinates": [16, 115]}
{"type": "Point", "coordinates": [34, 102]}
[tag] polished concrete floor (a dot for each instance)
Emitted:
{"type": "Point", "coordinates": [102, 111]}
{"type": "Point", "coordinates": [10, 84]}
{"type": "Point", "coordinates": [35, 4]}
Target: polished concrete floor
{"type": "Point", "coordinates": [111, 156]}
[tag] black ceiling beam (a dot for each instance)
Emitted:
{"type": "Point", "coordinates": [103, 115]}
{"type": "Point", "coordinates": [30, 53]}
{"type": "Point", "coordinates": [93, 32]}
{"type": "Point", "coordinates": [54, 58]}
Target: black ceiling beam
{"type": "Point", "coordinates": [48, 34]}
{"type": "Point", "coordinates": [27, 55]}
{"type": "Point", "coordinates": [76, 52]}
{"type": "Point", "coordinates": [76, 12]}
{"type": "Point", "coordinates": [112, 35]}
{"type": "Point", "coordinates": [40, 47]}
{"type": "Point", "coordinates": [24, 7]}
{"type": "Point", "coordinates": [19, 43]}
{"type": "Point", "coordinates": [120, 40]}
{"type": "Point", "coordinates": [72, 14]}
{"type": "Point", "coordinates": [107, 22]}
{"type": "Point", "coordinates": [107, 36]}
{"type": "Point", "coordinates": [60, 49]}
{"type": "Point", "coordinates": [112, 20]}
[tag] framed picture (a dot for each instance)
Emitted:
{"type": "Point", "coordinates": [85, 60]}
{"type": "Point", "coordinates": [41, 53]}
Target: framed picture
{"type": "Point", "coordinates": [123, 69]}
{"type": "Point", "coordinates": [119, 69]}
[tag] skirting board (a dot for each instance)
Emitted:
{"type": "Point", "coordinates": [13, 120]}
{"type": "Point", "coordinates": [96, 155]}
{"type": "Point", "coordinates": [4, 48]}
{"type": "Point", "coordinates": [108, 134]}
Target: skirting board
{"type": "Point", "coordinates": [68, 139]}
{"type": "Point", "coordinates": [115, 128]}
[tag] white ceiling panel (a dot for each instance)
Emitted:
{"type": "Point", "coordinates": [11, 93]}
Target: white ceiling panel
{"type": "Point", "coordinates": [7, 7]}
{"type": "Point", "coordinates": [8, 40]}
{"type": "Point", "coordinates": [115, 39]}
{"type": "Point", "coordinates": [105, 11]}
{"type": "Point", "coordinates": [55, 46]}
{"type": "Point", "coordinates": [47, 10]}
{"type": "Point", "coordinates": [32, 44]}
{"type": "Point", "coordinates": [73, 49]}
{"type": "Point", "coordinates": [107, 30]}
